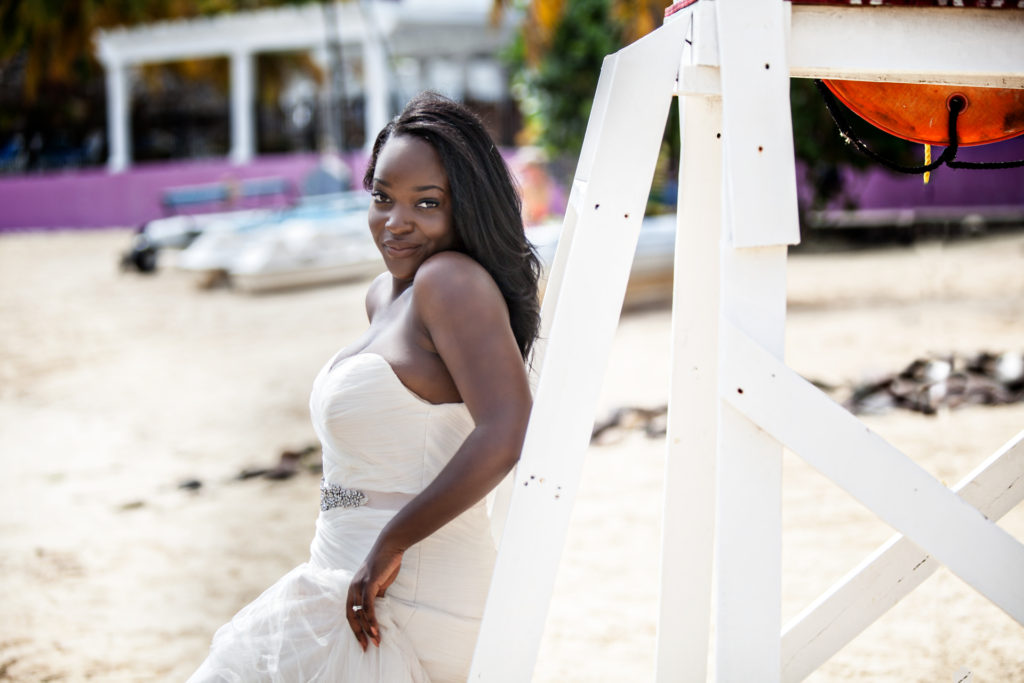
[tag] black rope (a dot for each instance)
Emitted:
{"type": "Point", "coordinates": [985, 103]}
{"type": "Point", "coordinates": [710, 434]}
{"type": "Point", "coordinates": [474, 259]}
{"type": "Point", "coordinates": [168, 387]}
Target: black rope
{"type": "Point", "coordinates": [948, 156]}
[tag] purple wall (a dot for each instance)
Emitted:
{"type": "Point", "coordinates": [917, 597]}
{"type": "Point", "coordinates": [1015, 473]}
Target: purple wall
{"type": "Point", "coordinates": [879, 188]}
{"type": "Point", "coordinates": [95, 198]}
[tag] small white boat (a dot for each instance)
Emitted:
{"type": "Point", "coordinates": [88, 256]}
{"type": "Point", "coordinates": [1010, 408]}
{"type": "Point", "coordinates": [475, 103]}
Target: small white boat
{"type": "Point", "coordinates": [324, 239]}
{"type": "Point", "coordinates": [302, 254]}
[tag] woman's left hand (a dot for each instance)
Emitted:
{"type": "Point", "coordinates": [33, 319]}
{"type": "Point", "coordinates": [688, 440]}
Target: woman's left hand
{"type": "Point", "coordinates": [371, 581]}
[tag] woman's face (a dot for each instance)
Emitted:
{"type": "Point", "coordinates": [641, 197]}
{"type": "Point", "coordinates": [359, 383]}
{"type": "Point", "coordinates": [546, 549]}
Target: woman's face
{"type": "Point", "coordinates": [411, 210]}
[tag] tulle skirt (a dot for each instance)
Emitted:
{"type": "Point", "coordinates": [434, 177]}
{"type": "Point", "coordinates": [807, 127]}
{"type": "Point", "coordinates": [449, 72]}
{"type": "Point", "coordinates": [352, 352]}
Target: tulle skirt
{"type": "Point", "coordinates": [296, 630]}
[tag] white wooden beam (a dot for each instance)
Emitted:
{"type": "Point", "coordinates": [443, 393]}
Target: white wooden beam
{"type": "Point", "coordinates": [757, 128]}
{"type": "Point", "coordinates": [556, 272]}
{"type": "Point", "coordinates": [859, 461]}
{"type": "Point", "coordinates": [950, 45]}
{"type": "Point", "coordinates": [891, 572]}
{"type": "Point", "coordinates": [749, 523]}
{"type": "Point", "coordinates": [631, 117]}
{"type": "Point", "coordinates": [688, 514]}
{"type": "Point", "coordinates": [276, 29]}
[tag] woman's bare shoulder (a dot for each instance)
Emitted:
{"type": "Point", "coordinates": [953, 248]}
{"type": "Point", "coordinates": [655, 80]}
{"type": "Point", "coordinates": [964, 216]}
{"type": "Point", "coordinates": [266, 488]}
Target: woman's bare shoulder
{"type": "Point", "coordinates": [453, 271]}
{"type": "Point", "coordinates": [450, 277]}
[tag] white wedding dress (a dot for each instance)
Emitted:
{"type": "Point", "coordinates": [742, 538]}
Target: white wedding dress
{"type": "Point", "coordinates": [377, 436]}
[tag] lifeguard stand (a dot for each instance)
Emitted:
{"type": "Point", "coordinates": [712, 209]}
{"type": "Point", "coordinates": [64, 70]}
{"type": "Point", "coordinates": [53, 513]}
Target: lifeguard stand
{"type": "Point", "coordinates": [734, 404]}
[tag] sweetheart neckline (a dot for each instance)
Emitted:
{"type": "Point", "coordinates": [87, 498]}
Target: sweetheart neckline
{"type": "Point", "coordinates": [336, 362]}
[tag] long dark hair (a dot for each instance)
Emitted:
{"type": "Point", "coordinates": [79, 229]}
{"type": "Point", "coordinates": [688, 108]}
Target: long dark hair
{"type": "Point", "coordinates": [486, 208]}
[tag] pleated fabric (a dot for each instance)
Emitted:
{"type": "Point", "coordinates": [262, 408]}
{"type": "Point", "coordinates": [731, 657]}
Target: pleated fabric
{"type": "Point", "coordinates": [379, 436]}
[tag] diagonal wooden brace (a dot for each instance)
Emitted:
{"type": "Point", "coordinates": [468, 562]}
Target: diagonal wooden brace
{"type": "Point", "coordinates": [995, 487]}
{"type": "Point", "coordinates": [874, 472]}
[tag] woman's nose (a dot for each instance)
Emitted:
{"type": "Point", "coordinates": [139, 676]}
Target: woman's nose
{"type": "Point", "coordinates": [398, 221]}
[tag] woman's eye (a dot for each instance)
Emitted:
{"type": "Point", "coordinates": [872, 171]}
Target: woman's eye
{"type": "Point", "coordinates": [429, 203]}
{"type": "Point", "coordinates": [379, 197]}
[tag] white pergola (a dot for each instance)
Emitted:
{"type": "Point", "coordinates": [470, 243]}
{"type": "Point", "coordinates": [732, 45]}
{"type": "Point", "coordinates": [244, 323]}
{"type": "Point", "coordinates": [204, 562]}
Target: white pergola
{"type": "Point", "coordinates": [457, 34]}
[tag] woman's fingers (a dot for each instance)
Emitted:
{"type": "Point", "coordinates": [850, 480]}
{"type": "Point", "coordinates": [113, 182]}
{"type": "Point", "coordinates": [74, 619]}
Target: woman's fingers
{"type": "Point", "coordinates": [370, 615]}
{"type": "Point", "coordinates": [353, 614]}
{"type": "Point", "coordinates": [369, 583]}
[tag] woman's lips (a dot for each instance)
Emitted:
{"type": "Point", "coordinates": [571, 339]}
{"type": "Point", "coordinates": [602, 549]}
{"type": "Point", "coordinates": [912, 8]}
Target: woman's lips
{"type": "Point", "coordinates": [399, 249]}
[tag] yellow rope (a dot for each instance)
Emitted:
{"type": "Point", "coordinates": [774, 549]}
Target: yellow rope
{"type": "Point", "coordinates": [927, 160]}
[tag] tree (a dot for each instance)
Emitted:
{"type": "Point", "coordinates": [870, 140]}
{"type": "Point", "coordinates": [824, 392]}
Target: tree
{"type": "Point", "coordinates": [556, 61]}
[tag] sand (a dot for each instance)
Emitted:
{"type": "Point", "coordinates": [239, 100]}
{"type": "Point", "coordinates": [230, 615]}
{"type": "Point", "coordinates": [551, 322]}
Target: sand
{"type": "Point", "coordinates": [115, 388]}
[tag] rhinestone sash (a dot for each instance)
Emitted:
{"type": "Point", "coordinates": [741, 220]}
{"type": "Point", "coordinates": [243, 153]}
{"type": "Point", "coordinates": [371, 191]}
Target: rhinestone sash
{"type": "Point", "coordinates": [334, 496]}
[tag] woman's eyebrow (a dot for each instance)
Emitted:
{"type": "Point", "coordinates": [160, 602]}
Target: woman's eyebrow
{"type": "Point", "coordinates": [420, 188]}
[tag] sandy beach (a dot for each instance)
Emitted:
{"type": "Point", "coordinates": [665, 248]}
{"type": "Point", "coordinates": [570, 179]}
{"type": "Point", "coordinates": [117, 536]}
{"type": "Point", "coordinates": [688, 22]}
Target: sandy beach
{"type": "Point", "coordinates": [117, 388]}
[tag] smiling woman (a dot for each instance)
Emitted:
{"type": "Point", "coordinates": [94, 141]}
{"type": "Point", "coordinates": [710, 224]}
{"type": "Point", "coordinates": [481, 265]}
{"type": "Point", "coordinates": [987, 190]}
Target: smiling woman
{"type": "Point", "coordinates": [419, 420]}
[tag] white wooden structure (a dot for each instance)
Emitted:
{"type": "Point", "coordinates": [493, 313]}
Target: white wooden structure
{"type": "Point", "coordinates": [734, 404]}
{"type": "Point", "coordinates": [448, 45]}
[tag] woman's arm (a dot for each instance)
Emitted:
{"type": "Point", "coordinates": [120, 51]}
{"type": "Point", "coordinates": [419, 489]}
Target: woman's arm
{"type": "Point", "coordinates": [467, 321]}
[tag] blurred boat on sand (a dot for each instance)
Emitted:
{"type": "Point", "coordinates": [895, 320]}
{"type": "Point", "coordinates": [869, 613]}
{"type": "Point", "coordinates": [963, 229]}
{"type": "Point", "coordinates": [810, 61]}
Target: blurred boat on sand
{"type": "Point", "coordinates": [323, 239]}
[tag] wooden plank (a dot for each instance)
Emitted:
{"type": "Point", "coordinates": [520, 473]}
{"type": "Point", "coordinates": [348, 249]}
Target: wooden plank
{"type": "Point", "coordinates": [891, 572]}
{"type": "Point", "coordinates": [749, 548]}
{"type": "Point", "coordinates": [556, 274]}
{"type": "Point", "coordinates": [640, 80]}
{"type": "Point", "coordinates": [688, 515]}
{"type": "Point", "coordinates": [908, 44]}
{"type": "Point", "coordinates": [758, 133]}
{"type": "Point", "coordinates": [890, 484]}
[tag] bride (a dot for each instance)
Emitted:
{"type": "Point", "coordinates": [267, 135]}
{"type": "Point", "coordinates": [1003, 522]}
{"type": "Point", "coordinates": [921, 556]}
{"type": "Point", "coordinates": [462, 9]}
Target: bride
{"type": "Point", "coordinates": [419, 420]}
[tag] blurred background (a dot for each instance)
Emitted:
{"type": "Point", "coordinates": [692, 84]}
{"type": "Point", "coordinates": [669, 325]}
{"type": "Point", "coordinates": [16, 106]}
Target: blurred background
{"type": "Point", "coordinates": [109, 104]}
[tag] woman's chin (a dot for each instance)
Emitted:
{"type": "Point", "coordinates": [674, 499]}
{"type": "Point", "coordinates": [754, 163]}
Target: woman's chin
{"type": "Point", "coordinates": [401, 272]}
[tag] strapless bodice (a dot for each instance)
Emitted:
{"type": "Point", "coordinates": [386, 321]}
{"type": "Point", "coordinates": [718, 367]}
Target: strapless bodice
{"type": "Point", "coordinates": [376, 433]}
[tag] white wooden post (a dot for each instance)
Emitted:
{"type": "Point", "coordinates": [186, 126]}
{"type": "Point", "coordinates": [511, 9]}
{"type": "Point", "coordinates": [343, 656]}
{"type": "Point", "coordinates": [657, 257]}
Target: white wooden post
{"type": "Point", "coordinates": [620, 153]}
{"type": "Point", "coordinates": [118, 117]}
{"type": "Point", "coordinates": [749, 588]}
{"type": "Point", "coordinates": [378, 85]}
{"type": "Point", "coordinates": [688, 515]}
{"type": "Point", "coordinates": [243, 137]}
{"type": "Point", "coordinates": [761, 219]}
{"type": "Point", "coordinates": [760, 180]}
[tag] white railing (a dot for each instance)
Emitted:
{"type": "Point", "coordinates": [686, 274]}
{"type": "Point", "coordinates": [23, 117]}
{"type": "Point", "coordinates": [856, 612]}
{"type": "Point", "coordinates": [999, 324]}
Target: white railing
{"type": "Point", "coordinates": [734, 404]}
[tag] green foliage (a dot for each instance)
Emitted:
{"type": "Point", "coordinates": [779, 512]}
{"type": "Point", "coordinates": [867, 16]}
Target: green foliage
{"type": "Point", "coordinates": [556, 95]}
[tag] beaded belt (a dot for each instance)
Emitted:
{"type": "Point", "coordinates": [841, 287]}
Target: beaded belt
{"type": "Point", "coordinates": [334, 496]}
